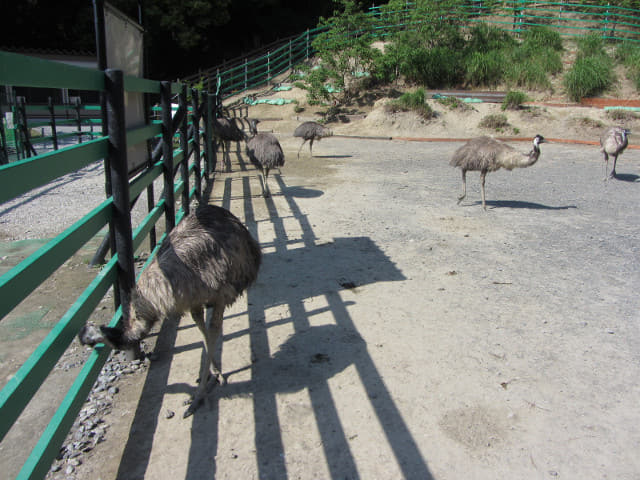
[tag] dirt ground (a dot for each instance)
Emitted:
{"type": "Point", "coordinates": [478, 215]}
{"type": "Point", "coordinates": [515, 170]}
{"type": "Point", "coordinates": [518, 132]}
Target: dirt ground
{"type": "Point", "coordinates": [394, 334]}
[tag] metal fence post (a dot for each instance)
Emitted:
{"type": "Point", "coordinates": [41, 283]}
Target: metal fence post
{"type": "Point", "coordinates": [114, 97]}
{"type": "Point", "coordinates": [211, 150]}
{"type": "Point", "coordinates": [290, 55]}
{"type": "Point", "coordinates": [76, 104]}
{"type": "Point", "coordinates": [167, 155]}
{"type": "Point", "coordinates": [246, 72]}
{"type": "Point", "coordinates": [307, 46]}
{"type": "Point", "coordinates": [196, 142]}
{"type": "Point", "coordinates": [52, 122]}
{"type": "Point", "coordinates": [268, 65]}
{"type": "Point", "coordinates": [184, 146]}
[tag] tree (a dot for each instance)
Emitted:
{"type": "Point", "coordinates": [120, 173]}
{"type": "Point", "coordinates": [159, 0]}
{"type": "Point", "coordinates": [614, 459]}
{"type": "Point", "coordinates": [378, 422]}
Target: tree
{"type": "Point", "coordinates": [344, 51]}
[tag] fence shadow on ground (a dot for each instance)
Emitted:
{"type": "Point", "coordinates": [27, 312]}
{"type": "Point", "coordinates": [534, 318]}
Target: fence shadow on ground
{"type": "Point", "coordinates": [292, 271]}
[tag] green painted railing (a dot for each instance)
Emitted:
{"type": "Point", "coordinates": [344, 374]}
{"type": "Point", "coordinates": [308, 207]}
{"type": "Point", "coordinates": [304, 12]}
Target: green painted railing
{"type": "Point", "coordinates": [19, 178]}
{"type": "Point", "coordinates": [570, 19]}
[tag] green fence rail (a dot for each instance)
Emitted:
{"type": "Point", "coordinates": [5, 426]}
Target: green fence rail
{"type": "Point", "coordinates": [570, 19]}
{"type": "Point", "coordinates": [183, 169]}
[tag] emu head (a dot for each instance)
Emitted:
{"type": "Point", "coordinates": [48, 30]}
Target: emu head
{"type": "Point", "coordinates": [116, 338]}
{"type": "Point", "coordinates": [538, 139]}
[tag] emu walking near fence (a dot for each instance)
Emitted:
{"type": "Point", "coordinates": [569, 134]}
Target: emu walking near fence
{"type": "Point", "coordinates": [311, 131]}
{"type": "Point", "coordinates": [265, 152]}
{"type": "Point", "coordinates": [487, 154]}
{"type": "Point", "coordinates": [226, 131]}
{"type": "Point", "coordinates": [207, 260]}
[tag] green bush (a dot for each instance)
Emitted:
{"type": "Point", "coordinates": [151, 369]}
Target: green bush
{"type": "Point", "coordinates": [591, 45]}
{"type": "Point", "coordinates": [484, 38]}
{"type": "Point", "coordinates": [411, 102]}
{"type": "Point", "coordinates": [588, 77]}
{"type": "Point", "coordinates": [542, 37]}
{"type": "Point", "coordinates": [629, 56]}
{"type": "Point", "coordinates": [454, 103]}
{"type": "Point", "coordinates": [433, 67]}
{"type": "Point", "coordinates": [513, 100]}
{"type": "Point", "coordinates": [485, 68]}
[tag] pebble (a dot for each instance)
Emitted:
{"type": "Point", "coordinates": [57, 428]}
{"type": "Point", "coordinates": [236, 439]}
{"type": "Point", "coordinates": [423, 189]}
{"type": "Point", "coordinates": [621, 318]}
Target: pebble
{"type": "Point", "coordinates": [91, 425]}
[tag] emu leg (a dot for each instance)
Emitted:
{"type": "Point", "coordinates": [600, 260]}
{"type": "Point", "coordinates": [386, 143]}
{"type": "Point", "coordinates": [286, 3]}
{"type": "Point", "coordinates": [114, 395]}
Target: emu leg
{"type": "Point", "coordinates": [227, 155]}
{"type": "Point", "coordinates": [464, 186]}
{"type": "Point", "coordinates": [606, 166]}
{"type": "Point", "coordinates": [311, 147]}
{"type": "Point", "coordinates": [613, 171]}
{"type": "Point", "coordinates": [303, 142]}
{"type": "Point", "coordinates": [211, 331]}
{"type": "Point", "coordinates": [483, 174]}
{"type": "Point", "coordinates": [265, 188]}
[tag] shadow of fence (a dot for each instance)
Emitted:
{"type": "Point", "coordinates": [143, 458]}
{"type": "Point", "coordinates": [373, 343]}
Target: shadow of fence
{"type": "Point", "coordinates": [293, 271]}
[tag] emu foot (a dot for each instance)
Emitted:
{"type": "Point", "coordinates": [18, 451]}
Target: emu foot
{"type": "Point", "coordinates": [193, 406]}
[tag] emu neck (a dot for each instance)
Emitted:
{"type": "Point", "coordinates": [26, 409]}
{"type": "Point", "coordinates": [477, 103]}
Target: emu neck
{"type": "Point", "coordinates": [530, 158]}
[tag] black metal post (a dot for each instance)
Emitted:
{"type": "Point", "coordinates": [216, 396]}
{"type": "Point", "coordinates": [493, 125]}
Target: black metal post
{"type": "Point", "coordinates": [114, 96]}
{"type": "Point", "coordinates": [167, 155]}
{"type": "Point", "coordinates": [76, 104]}
{"type": "Point", "coordinates": [52, 122]}
{"type": "Point", "coordinates": [196, 143]}
{"type": "Point", "coordinates": [211, 151]}
{"type": "Point", "coordinates": [184, 146]}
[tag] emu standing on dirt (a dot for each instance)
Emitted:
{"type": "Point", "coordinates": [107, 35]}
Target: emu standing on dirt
{"type": "Point", "coordinates": [311, 131]}
{"type": "Point", "coordinates": [613, 142]}
{"type": "Point", "coordinates": [265, 152]}
{"type": "Point", "coordinates": [226, 131]}
{"type": "Point", "coordinates": [487, 154]}
{"type": "Point", "coordinates": [208, 260]}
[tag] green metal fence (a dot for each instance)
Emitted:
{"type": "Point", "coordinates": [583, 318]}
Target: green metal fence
{"type": "Point", "coordinates": [570, 19]}
{"type": "Point", "coordinates": [179, 168]}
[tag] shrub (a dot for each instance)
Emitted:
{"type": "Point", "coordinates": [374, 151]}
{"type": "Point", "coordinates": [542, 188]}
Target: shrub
{"type": "Point", "coordinates": [542, 37]}
{"type": "Point", "coordinates": [454, 103]}
{"type": "Point", "coordinates": [411, 102]}
{"type": "Point", "coordinates": [433, 67]}
{"type": "Point", "coordinates": [485, 68]}
{"type": "Point", "coordinates": [591, 45]}
{"type": "Point", "coordinates": [484, 38]}
{"type": "Point", "coordinates": [620, 115]}
{"type": "Point", "coordinates": [513, 100]}
{"type": "Point", "coordinates": [589, 76]}
{"type": "Point", "coordinates": [496, 121]}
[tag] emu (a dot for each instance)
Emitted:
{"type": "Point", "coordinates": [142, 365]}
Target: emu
{"type": "Point", "coordinates": [311, 131]}
{"type": "Point", "coordinates": [226, 131]}
{"type": "Point", "coordinates": [207, 260]}
{"type": "Point", "coordinates": [265, 152]}
{"type": "Point", "coordinates": [487, 154]}
{"type": "Point", "coordinates": [613, 142]}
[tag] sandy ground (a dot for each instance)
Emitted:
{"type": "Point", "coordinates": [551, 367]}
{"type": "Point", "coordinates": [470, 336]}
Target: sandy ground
{"type": "Point", "coordinates": [395, 334]}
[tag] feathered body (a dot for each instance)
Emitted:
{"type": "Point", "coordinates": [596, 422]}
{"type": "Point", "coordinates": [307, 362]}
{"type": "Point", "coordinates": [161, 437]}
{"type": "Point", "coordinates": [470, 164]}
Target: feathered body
{"type": "Point", "coordinates": [486, 154]}
{"type": "Point", "coordinates": [265, 152]}
{"type": "Point", "coordinates": [207, 260]}
{"type": "Point", "coordinates": [613, 142]}
{"type": "Point", "coordinates": [310, 131]}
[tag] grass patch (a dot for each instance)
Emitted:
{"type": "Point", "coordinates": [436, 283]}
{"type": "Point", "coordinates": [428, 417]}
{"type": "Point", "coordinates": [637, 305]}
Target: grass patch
{"type": "Point", "coordinates": [587, 122]}
{"type": "Point", "coordinates": [411, 102]}
{"type": "Point", "coordinates": [620, 115]}
{"type": "Point", "coordinates": [513, 100]}
{"type": "Point", "coordinates": [454, 103]}
{"type": "Point", "coordinates": [496, 121]}
{"type": "Point", "coordinates": [588, 77]}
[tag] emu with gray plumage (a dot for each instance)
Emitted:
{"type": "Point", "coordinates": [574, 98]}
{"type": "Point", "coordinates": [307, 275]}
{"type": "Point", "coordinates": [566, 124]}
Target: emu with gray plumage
{"type": "Point", "coordinates": [310, 131]}
{"type": "Point", "coordinates": [265, 152]}
{"type": "Point", "coordinates": [613, 142]}
{"type": "Point", "coordinates": [226, 131]}
{"type": "Point", "coordinates": [486, 154]}
{"type": "Point", "coordinates": [207, 260]}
